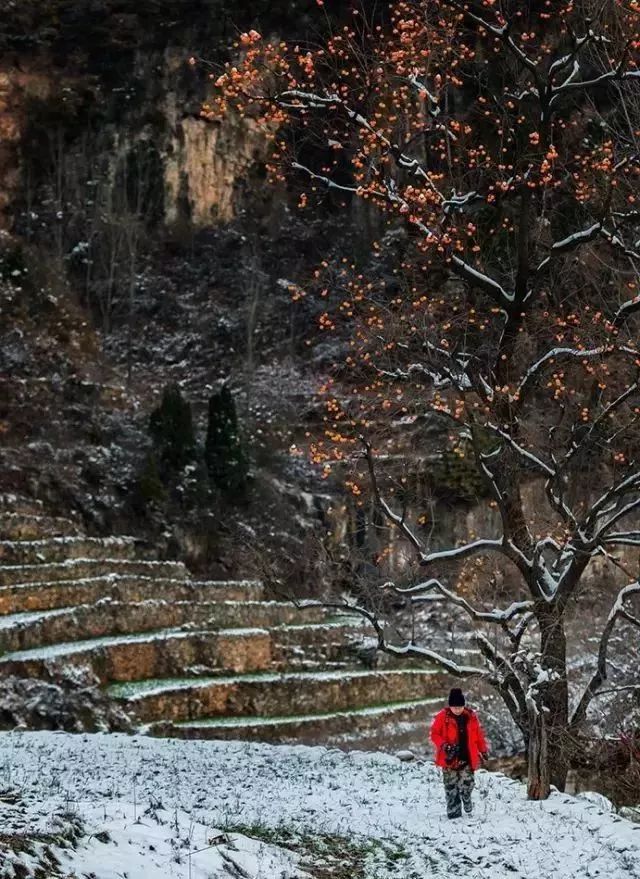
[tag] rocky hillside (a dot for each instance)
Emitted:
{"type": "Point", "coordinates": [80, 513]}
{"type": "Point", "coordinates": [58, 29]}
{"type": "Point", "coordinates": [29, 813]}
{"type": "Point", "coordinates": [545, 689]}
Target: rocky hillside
{"type": "Point", "coordinates": [139, 250]}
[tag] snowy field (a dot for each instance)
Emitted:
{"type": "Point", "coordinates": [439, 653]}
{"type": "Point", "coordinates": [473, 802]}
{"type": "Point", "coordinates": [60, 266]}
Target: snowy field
{"type": "Point", "coordinates": [130, 807]}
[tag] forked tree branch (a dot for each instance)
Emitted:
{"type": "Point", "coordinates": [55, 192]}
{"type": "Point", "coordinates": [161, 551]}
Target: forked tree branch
{"type": "Point", "coordinates": [600, 675]}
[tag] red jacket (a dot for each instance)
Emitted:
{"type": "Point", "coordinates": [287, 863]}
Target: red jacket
{"type": "Point", "coordinates": [444, 731]}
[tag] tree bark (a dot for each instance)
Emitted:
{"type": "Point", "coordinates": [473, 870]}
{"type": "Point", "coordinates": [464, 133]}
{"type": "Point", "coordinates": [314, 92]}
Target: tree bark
{"type": "Point", "coordinates": [538, 771]}
{"type": "Point", "coordinates": [549, 745]}
{"type": "Point", "coordinates": [548, 756]}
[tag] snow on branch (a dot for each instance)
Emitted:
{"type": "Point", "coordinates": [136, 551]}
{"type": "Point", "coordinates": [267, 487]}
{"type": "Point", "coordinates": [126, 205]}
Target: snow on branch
{"type": "Point", "coordinates": [617, 242]}
{"type": "Point", "coordinates": [456, 368]}
{"type": "Point", "coordinates": [434, 108]}
{"type": "Point", "coordinates": [522, 626]}
{"type": "Point", "coordinates": [628, 308]}
{"type": "Point", "coordinates": [457, 202]}
{"type": "Point", "coordinates": [537, 463]}
{"type": "Point", "coordinates": [495, 617]}
{"type": "Point", "coordinates": [608, 501]}
{"type": "Point", "coordinates": [299, 99]}
{"type": "Point", "coordinates": [505, 547]}
{"type": "Point", "coordinates": [584, 236]}
{"type": "Point", "coordinates": [454, 668]}
{"type": "Point", "coordinates": [462, 552]}
{"type": "Point", "coordinates": [420, 589]}
{"type": "Point", "coordinates": [623, 538]}
{"type": "Point", "coordinates": [559, 354]}
{"type": "Point", "coordinates": [389, 193]}
{"type": "Point", "coordinates": [450, 372]}
{"type": "Point", "coordinates": [330, 184]}
{"type": "Point", "coordinates": [543, 677]}
{"type": "Point", "coordinates": [408, 649]}
{"type": "Point", "coordinates": [439, 380]}
{"type": "Point", "coordinates": [579, 43]}
{"type": "Point", "coordinates": [478, 279]}
{"type": "Point", "coordinates": [502, 33]}
{"type": "Point", "coordinates": [617, 611]}
{"type": "Point", "coordinates": [619, 514]}
{"type": "Point", "coordinates": [571, 242]}
{"type": "Point", "coordinates": [314, 101]}
{"type": "Point", "coordinates": [618, 73]}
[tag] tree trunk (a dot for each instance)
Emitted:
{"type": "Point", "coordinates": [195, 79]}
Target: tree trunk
{"type": "Point", "coordinates": [547, 755]}
{"type": "Point", "coordinates": [538, 769]}
{"type": "Point", "coordinates": [549, 740]}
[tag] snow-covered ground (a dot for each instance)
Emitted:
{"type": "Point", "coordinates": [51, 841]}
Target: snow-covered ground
{"type": "Point", "coordinates": [131, 807]}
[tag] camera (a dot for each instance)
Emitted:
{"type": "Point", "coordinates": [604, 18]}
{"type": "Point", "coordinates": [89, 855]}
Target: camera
{"type": "Point", "coordinates": [451, 752]}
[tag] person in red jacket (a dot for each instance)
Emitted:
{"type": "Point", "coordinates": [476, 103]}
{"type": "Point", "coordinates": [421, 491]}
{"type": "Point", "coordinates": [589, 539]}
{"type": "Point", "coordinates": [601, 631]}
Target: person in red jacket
{"type": "Point", "coordinates": [460, 746]}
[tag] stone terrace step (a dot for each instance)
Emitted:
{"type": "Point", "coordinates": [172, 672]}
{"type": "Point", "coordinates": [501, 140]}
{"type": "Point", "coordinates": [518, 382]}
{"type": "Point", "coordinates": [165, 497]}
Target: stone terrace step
{"type": "Point", "coordinates": [79, 569]}
{"type": "Point", "coordinates": [272, 694]}
{"type": "Point", "coordinates": [136, 657]}
{"type": "Point", "coordinates": [382, 727]}
{"type": "Point", "coordinates": [311, 646]}
{"type": "Point", "coordinates": [26, 631]}
{"type": "Point", "coordinates": [121, 587]}
{"type": "Point", "coordinates": [22, 526]}
{"type": "Point", "coordinates": [15, 503]}
{"type": "Point", "coordinates": [58, 549]}
{"type": "Point", "coordinates": [174, 651]}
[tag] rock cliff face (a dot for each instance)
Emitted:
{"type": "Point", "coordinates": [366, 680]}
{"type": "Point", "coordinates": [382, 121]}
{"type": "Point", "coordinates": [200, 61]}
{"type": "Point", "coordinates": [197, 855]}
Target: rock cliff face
{"type": "Point", "coordinates": [17, 86]}
{"type": "Point", "coordinates": [200, 163]}
{"type": "Point", "coordinates": [202, 166]}
{"type": "Point", "coordinates": [107, 75]}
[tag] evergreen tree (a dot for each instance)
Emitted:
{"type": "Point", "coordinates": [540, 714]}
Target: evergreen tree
{"type": "Point", "coordinates": [224, 454]}
{"type": "Point", "coordinates": [171, 427]}
{"type": "Point", "coordinates": [150, 487]}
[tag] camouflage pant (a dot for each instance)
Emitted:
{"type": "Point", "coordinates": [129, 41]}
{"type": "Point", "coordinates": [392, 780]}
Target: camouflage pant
{"type": "Point", "coordinates": [458, 785]}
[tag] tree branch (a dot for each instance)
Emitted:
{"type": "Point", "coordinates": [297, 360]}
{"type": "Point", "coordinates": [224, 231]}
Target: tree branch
{"type": "Point", "coordinates": [408, 649]}
{"type": "Point", "coordinates": [397, 520]}
{"type": "Point", "coordinates": [600, 674]}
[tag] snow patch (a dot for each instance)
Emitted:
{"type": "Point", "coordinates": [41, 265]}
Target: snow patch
{"type": "Point", "coordinates": [159, 799]}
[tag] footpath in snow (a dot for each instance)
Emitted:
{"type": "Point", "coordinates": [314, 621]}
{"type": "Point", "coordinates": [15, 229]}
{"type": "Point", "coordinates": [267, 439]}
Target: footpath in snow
{"type": "Point", "coordinates": [113, 806]}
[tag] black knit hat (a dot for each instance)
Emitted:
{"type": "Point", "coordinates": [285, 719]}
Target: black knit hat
{"type": "Point", "coordinates": [456, 697]}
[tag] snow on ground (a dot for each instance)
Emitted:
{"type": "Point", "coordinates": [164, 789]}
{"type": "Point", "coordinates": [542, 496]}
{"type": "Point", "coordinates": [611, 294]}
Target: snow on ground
{"type": "Point", "coordinates": [134, 807]}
